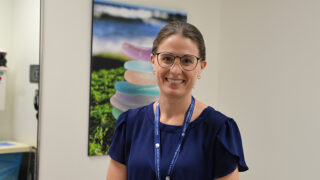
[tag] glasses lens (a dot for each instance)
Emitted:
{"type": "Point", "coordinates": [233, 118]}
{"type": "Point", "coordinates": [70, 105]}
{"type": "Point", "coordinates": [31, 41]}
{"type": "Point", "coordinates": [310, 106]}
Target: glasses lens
{"type": "Point", "coordinates": [188, 62]}
{"type": "Point", "coordinates": [165, 60]}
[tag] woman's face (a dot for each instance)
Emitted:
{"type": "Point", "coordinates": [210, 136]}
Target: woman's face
{"type": "Point", "coordinates": [175, 81]}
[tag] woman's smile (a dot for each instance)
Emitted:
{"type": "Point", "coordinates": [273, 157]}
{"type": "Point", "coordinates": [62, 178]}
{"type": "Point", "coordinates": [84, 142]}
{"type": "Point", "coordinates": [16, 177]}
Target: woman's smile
{"type": "Point", "coordinates": [175, 81]}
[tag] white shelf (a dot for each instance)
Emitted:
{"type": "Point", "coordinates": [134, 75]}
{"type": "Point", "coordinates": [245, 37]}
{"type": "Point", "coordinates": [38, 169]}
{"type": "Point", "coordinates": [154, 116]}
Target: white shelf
{"type": "Point", "coordinates": [14, 147]}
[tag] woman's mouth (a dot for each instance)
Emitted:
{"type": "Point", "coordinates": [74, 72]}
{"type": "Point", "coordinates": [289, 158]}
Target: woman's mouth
{"type": "Point", "coordinates": [175, 81]}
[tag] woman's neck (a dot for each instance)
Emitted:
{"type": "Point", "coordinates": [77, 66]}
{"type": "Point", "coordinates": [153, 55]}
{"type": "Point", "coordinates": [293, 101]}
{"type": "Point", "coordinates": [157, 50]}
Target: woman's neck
{"type": "Point", "coordinates": [173, 110]}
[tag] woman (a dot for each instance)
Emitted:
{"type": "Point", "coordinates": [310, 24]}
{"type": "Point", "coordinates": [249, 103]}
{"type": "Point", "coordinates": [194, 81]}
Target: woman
{"type": "Point", "coordinates": [176, 137]}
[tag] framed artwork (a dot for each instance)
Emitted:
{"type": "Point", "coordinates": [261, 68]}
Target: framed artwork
{"type": "Point", "coordinates": [121, 72]}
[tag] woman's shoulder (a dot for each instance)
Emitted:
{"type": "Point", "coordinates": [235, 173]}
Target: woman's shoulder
{"type": "Point", "coordinates": [214, 118]}
{"type": "Point", "coordinates": [136, 115]}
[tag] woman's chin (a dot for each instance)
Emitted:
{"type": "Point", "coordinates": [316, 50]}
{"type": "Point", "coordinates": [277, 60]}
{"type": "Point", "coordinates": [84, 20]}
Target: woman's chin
{"type": "Point", "coordinates": [174, 92]}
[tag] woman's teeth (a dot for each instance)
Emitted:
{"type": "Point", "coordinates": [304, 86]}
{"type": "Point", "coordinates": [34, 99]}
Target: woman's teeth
{"type": "Point", "coordinates": [175, 81]}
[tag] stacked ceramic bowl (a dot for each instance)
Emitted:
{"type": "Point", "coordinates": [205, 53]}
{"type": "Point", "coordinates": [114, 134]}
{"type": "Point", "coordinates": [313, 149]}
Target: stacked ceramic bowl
{"type": "Point", "coordinates": [140, 87]}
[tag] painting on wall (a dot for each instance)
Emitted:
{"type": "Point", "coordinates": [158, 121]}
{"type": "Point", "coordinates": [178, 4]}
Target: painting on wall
{"type": "Point", "coordinates": [121, 71]}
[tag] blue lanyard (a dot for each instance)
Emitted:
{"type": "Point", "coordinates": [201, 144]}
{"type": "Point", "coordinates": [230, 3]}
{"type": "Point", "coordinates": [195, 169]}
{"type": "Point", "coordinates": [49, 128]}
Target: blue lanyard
{"type": "Point", "coordinates": [157, 139]}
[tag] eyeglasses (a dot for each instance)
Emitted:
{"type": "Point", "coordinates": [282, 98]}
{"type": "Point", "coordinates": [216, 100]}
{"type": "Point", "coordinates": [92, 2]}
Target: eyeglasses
{"type": "Point", "coordinates": [187, 62]}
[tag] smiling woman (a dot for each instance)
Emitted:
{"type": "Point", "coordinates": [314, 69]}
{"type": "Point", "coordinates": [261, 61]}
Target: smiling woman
{"type": "Point", "coordinates": [166, 139]}
{"type": "Point", "coordinates": [19, 37]}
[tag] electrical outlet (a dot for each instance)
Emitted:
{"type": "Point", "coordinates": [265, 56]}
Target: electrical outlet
{"type": "Point", "coordinates": [34, 73]}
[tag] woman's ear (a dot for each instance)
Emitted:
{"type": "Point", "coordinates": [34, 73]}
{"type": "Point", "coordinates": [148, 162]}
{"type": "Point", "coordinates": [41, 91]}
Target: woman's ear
{"type": "Point", "coordinates": [203, 64]}
{"type": "Point", "coordinates": [152, 59]}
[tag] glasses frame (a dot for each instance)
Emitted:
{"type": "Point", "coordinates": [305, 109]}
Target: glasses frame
{"type": "Point", "coordinates": [168, 67]}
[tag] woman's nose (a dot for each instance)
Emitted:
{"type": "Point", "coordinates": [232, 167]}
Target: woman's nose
{"type": "Point", "coordinates": [176, 68]}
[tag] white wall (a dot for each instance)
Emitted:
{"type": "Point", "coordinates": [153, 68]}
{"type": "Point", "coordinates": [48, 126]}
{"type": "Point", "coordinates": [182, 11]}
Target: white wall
{"type": "Point", "coordinates": [19, 35]}
{"type": "Point", "coordinates": [269, 81]}
{"type": "Point", "coordinates": [5, 44]}
{"type": "Point", "coordinates": [25, 43]}
{"type": "Point", "coordinates": [65, 69]}
{"type": "Point", "coordinates": [6, 20]}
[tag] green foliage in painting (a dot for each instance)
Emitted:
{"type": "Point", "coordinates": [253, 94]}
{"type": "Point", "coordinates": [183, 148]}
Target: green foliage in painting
{"type": "Point", "coordinates": [119, 57]}
{"type": "Point", "coordinates": [102, 123]}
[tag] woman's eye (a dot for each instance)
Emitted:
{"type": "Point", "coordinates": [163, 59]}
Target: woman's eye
{"type": "Point", "coordinates": [187, 61]}
{"type": "Point", "coordinates": [167, 59]}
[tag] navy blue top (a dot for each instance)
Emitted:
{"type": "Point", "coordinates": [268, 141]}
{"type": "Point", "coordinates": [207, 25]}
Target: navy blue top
{"type": "Point", "coordinates": [212, 146]}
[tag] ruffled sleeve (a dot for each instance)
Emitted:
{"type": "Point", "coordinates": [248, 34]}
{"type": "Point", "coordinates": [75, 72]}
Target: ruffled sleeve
{"type": "Point", "coordinates": [228, 150]}
{"type": "Point", "coordinates": [118, 149]}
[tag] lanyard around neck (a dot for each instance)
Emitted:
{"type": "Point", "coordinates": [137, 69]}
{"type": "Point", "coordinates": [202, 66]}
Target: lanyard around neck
{"type": "Point", "coordinates": [157, 139]}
